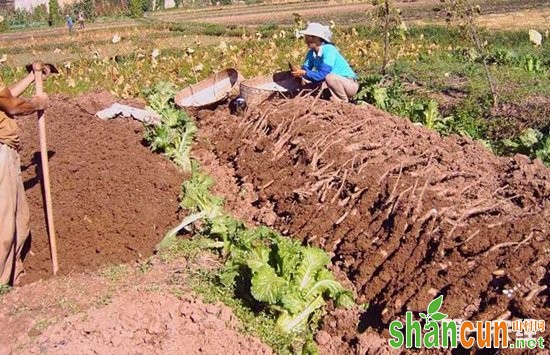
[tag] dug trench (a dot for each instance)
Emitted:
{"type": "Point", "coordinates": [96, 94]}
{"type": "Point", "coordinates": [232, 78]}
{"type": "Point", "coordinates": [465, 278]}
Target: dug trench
{"type": "Point", "coordinates": [406, 214]}
{"type": "Point", "coordinates": [112, 199]}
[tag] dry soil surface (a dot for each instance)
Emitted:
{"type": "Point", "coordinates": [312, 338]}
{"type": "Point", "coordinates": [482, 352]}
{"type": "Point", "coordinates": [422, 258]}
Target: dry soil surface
{"type": "Point", "coordinates": [112, 199]}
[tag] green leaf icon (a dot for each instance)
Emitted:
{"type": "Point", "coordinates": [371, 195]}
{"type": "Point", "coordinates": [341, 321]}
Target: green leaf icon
{"type": "Point", "coordinates": [438, 316]}
{"type": "Point", "coordinates": [422, 315]}
{"type": "Point", "coordinates": [435, 305]}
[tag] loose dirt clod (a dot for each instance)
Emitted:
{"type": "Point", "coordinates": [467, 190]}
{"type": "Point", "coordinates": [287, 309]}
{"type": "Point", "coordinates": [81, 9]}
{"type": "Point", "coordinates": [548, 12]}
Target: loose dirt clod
{"type": "Point", "coordinates": [112, 199]}
{"type": "Point", "coordinates": [408, 214]}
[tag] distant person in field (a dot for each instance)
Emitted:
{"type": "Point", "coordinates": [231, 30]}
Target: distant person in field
{"type": "Point", "coordinates": [70, 23]}
{"type": "Point", "coordinates": [325, 63]}
{"type": "Point", "coordinates": [14, 211]}
{"type": "Point", "coordinates": [80, 19]}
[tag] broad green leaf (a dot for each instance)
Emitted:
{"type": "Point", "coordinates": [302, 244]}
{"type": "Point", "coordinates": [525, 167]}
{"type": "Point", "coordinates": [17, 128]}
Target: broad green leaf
{"type": "Point", "coordinates": [431, 114]}
{"type": "Point", "coordinates": [298, 322]}
{"type": "Point", "coordinates": [319, 288]}
{"type": "Point", "coordinates": [510, 143]}
{"type": "Point", "coordinates": [310, 348]}
{"type": "Point", "coordinates": [229, 273]}
{"type": "Point", "coordinates": [325, 284]}
{"type": "Point", "coordinates": [266, 285]}
{"type": "Point", "coordinates": [422, 315]}
{"type": "Point", "coordinates": [380, 96]}
{"type": "Point", "coordinates": [257, 258]}
{"type": "Point", "coordinates": [286, 253]}
{"type": "Point", "coordinates": [345, 299]}
{"type": "Point", "coordinates": [313, 259]}
{"type": "Point", "coordinates": [292, 303]}
{"type": "Point", "coordinates": [251, 239]}
{"type": "Point", "coordinates": [435, 305]}
{"type": "Point", "coordinates": [530, 137]}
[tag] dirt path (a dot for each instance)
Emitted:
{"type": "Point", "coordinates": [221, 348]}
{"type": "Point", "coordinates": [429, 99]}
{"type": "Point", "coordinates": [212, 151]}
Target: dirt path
{"type": "Point", "coordinates": [112, 199]}
{"type": "Point", "coordinates": [408, 215]}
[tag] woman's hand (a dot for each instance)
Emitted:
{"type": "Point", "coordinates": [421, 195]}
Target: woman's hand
{"type": "Point", "coordinates": [298, 73]}
{"type": "Point", "coordinates": [44, 68]}
{"type": "Point", "coordinates": [37, 66]}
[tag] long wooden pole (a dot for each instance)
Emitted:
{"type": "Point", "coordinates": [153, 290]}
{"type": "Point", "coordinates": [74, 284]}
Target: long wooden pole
{"type": "Point", "coordinates": [46, 175]}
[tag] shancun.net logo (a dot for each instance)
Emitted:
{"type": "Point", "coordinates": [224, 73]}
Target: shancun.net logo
{"type": "Point", "coordinates": [440, 332]}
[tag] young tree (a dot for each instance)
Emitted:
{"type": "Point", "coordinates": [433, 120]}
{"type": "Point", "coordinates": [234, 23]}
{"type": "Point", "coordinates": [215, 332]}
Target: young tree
{"type": "Point", "coordinates": [390, 22]}
{"type": "Point", "coordinates": [87, 7]}
{"type": "Point", "coordinates": [136, 8]}
{"type": "Point", "coordinates": [55, 16]}
{"type": "Point", "coordinates": [465, 15]}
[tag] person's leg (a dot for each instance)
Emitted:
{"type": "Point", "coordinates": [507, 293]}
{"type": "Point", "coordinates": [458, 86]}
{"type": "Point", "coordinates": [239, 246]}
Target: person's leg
{"type": "Point", "coordinates": [351, 86]}
{"type": "Point", "coordinates": [8, 205]}
{"type": "Point", "coordinates": [341, 88]}
{"type": "Point", "coordinates": [22, 230]}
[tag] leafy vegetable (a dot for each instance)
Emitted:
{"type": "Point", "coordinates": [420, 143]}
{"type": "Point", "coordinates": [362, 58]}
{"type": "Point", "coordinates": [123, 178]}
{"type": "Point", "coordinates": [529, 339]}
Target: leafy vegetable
{"type": "Point", "coordinates": [196, 195]}
{"type": "Point", "coordinates": [175, 134]}
{"type": "Point", "coordinates": [531, 142]}
{"type": "Point", "coordinates": [291, 279]}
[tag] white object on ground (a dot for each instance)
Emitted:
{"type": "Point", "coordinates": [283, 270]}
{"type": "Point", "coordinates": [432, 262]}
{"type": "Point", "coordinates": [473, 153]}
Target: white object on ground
{"type": "Point", "coordinates": [535, 37]}
{"type": "Point", "coordinates": [116, 39]}
{"type": "Point", "coordinates": [198, 68]}
{"type": "Point", "coordinates": [145, 116]}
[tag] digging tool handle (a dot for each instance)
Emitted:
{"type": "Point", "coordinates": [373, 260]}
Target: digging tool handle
{"type": "Point", "coordinates": [46, 175]}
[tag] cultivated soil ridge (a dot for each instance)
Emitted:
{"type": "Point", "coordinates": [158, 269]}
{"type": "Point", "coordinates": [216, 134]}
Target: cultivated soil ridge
{"type": "Point", "coordinates": [406, 214]}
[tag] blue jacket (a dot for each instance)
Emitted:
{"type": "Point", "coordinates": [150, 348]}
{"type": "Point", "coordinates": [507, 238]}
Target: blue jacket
{"type": "Point", "coordinates": [329, 60]}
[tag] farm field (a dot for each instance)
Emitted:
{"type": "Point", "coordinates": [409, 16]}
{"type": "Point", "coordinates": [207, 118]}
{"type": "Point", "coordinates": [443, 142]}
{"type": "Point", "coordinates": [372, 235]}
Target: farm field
{"type": "Point", "coordinates": [423, 187]}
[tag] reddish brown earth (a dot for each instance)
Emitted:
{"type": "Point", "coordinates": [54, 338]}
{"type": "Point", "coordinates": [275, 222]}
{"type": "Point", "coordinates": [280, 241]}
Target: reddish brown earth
{"type": "Point", "coordinates": [407, 214]}
{"type": "Point", "coordinates": [112, 199]}
{"type": "Point", "coordinates": [147, 310]}
{"type": "Point", "coordinates": [105, 174]}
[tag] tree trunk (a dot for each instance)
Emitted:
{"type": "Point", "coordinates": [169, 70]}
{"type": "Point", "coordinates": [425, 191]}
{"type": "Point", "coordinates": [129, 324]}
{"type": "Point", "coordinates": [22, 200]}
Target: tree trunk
{"type": "Point", "coordinates": [386, 36]}
{"type": "Point", "coordinates": [490, 80]}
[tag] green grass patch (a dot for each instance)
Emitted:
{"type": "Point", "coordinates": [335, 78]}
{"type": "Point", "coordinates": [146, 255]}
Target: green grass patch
{"type": "Point", "coordinates": [4, 290]}
{"type": "Point", "coordinates": [114, 273]}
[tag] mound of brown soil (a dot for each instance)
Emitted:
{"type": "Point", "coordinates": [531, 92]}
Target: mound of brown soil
{"type": "Point", "coordinates": [112, 198]}
{"type": "Point", "coordinates": [407, 214]}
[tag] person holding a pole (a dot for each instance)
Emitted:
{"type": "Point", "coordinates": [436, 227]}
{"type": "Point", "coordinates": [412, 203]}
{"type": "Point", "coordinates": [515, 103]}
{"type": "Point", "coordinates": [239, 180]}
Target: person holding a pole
{"type": "Point", "coordinates": [14, 211]}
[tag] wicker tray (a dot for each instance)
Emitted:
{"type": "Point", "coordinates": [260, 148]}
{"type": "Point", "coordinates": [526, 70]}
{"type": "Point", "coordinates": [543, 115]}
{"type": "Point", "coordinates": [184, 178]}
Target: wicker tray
{"type": "Point", "coordinates": [214, 89]}
{"type": "Point", "coordinates": [258, 90]}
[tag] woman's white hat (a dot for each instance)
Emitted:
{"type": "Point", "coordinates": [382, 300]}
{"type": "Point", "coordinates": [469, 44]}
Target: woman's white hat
{"type": "Point", "coordinates": [318, 30]}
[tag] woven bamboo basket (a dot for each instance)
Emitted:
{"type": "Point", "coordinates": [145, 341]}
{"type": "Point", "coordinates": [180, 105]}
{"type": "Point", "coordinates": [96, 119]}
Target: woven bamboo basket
{"type": "Point", "coordinates": [257, 90]}
{"type": "Point", "coordinates": [212, 90]}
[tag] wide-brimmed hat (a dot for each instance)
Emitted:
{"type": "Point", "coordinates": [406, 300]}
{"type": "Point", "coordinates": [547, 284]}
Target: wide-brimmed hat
{"type": "Point", "coordinates": [318, 30]}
